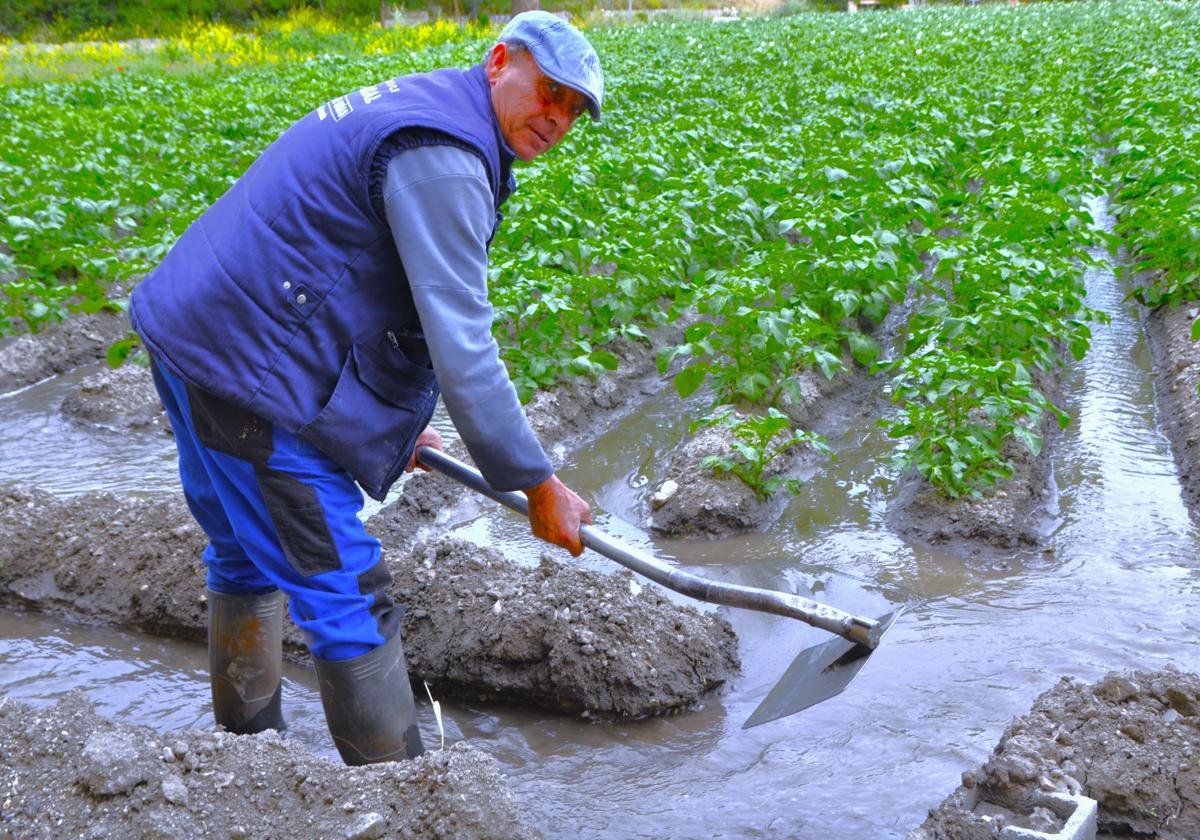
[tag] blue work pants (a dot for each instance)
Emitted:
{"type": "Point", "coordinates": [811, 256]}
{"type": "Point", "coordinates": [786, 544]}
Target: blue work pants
{"type": "Point", "coordinates": [279, 514]}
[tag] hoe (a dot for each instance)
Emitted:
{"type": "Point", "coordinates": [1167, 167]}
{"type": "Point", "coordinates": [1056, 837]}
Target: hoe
{"type": "Point", "coordinates": [817, 673]}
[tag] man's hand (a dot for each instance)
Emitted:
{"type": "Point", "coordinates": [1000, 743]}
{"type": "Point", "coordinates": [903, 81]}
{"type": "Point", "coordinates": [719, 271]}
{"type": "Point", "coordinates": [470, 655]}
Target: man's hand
{"type": "Point", "coordinates": [555, 513]}
{"type": "Point", "coordinates": [430, 438]}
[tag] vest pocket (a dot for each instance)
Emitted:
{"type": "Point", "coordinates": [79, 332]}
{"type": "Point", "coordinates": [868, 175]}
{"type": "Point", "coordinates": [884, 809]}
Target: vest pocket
{"type": "Point", "coordinates": [380, 404]}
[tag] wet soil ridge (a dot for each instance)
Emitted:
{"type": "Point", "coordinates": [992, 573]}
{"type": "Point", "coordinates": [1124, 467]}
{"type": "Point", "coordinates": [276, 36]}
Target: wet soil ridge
{"type": "Point", "coordinates": [126, 561]}
{"type": "Point", "coordinates": [477, 625]}
{"type": "Point", "coordinates": [119, 399]}
{"type": "Point", "coordinates": [60, 347]}
{"type": "Point", "coordinates": [481, 626]}
{"type": "Point", "coordinates": [692, 500]}
{"type": "Point", "coordinates": [1130, 741]}
{"type": "Point", "coordinates": [1016, 512]}
{"type": "Point", "coordinates": [67, 772]}
{"type": "Point", "coordinates": [1176, 371]}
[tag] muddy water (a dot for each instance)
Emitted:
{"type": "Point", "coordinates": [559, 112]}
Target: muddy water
{"type": "Point", "coordinates": [1117, 587]}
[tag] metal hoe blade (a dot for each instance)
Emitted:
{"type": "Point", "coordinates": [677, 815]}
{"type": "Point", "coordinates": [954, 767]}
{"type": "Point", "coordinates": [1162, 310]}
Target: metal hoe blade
{"type": "Point", "coordinates": [818, 673]}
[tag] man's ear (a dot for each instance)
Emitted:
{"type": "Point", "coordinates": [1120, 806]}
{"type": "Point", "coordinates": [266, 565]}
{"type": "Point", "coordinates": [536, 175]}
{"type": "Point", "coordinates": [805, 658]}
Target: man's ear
{"type": "Point", "coordinates": [497, 60]}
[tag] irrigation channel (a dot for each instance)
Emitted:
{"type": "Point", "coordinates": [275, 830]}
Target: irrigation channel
{"type": "Point", "coordinates": [1116, 585]}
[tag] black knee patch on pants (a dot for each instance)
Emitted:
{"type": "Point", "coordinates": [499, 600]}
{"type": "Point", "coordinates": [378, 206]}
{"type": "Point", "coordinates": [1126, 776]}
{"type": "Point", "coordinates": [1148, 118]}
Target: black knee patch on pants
{"type": "Point", "coordinates": [299, 521]}
{"type": "Point", "coordinates": [377, 581]}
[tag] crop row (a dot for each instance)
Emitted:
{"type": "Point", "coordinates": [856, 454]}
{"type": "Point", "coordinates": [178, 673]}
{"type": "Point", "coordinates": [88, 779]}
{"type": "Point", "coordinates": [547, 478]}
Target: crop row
{"type": "Point", "coordinates": [788, 181]}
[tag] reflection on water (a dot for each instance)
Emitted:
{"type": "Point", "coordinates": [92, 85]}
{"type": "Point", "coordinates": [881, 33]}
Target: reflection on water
{"type": "Point", "coordinates": [1117, 588]}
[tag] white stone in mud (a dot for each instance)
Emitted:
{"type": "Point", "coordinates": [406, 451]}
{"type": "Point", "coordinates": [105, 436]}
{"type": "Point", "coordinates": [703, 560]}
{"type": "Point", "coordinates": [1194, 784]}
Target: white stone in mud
{"type": "Point", "coordinates": [175, 791]}
{"type": "Point", "coordinates": [367, 827]}
{"type": "Point", "coordinates": [664, 494]}
{"type": "Point", "coordinates": [109, 764]}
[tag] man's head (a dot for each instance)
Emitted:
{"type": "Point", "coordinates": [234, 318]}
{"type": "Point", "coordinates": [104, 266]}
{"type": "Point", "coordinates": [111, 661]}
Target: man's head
{"type": "Point", "coordinates": [544, 74]}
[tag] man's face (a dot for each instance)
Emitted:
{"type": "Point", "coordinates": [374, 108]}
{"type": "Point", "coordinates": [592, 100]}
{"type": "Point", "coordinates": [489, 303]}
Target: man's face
{"type": "Point", "coordinates": [533, 110]}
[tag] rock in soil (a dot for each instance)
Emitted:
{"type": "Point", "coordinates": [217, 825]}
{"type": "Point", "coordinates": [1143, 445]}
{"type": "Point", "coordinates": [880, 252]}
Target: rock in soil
{"type": "Point", "coordinates": [476, 625]}
{"type": "Point", "coordinates": [1131, 742]}
{"type": "Point", "coordinates": [120, 399]}
{"type": "Point", "coordinates": [67, 772]}
{"type": "Point", "coordinates": [60, 347]}
{"type": "Point", "coordinates": [481, 626]}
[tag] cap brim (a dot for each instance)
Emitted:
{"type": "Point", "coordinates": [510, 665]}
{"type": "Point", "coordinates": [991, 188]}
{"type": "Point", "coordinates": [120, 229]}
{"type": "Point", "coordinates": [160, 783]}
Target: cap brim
{"type": "Point", "coordinates": [592, 105]}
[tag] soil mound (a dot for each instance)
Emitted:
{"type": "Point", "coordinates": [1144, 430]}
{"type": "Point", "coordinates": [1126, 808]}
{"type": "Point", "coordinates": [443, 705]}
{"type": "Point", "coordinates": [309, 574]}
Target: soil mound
{"type": "Point", "coordinates": [1131, 742]}
{"type": "Point", "coordinates": [1018, 511]}
{"type": "Point", "coordinates": [696, 501]}
{"type": "Point", "coordinates": [120, 399]}
{"type": "Point", "coordinates": [128, 561]}
{"type": "Point", "coordinates": [481, 626]}
{"type": "Point", "coordinates": [66, 772]}
{"type": "Point", "coordinates": [60, 347]}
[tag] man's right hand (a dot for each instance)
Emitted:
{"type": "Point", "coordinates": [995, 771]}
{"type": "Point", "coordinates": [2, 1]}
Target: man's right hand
{"type": "Point", "coordinates": [555, 513]}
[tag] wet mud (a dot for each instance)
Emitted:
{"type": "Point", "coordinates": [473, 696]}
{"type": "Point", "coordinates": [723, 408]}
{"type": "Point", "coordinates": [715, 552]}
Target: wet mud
{"type": "Point", "coordinates": [67, 772]}
{"type": "Point", "coordinates": [128, 561]}
{"type": "Point", "coordinates": [118, 399]}
{"type": "Point", "coordinates": [1017, 512]}
{"type": "Point", "coordinates": [1176, 361]}
{"type": "Point", "coordinates": [480, 626]}
{"type": "Point", "coordinates": [28, 358]}
{"type": "Point", "coordinates": [476, 624]}
{"type": "Point", "coordinates": [1130, 741]}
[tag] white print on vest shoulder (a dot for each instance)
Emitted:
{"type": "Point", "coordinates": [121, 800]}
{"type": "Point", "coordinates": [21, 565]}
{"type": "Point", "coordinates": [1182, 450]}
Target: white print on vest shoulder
{"type": "Point", "coordinates": [339, 108]}
{"type": "Point", "coordinates": [369, 94]}
{"type": "Point", "coordinates": [391, 85]}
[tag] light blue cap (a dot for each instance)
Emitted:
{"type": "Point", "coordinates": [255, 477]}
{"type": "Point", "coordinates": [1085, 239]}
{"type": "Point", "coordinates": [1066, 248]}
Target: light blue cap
{"type": "Point", "coordinates": [561, 52]}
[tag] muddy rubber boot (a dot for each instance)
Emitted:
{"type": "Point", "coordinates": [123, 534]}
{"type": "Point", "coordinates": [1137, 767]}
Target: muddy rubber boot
{"type": "Point", "coordinates": [245, 659]}
{"type": "Point", "coordinates": [369, 705]}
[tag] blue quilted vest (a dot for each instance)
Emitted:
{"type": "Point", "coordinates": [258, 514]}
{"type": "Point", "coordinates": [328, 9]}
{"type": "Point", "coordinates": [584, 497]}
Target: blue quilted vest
{"type": "Point", "coordinates": [287, 296]}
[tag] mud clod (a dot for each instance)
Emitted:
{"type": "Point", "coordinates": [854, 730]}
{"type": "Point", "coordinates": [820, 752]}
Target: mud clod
{"type": "Point", "coordinates": [119, 399]}
{"type": "Point", "coordinates": [235, 786]}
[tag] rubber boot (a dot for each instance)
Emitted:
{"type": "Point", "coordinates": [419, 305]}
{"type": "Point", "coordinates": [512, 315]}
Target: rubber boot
{"type": "Point", "coordinates": [245, 658]}
{"type": "Point", "coordinates": [369, 705]}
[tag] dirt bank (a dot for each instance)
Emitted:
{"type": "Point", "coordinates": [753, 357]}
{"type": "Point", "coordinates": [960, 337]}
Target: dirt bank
{"type": "Point", "coordinates": [1018, 511]}
{"type": "Point", "coordinates": [1176, 370]}
{"type": "Point", "coordinates": [120, 399]}
{"type": "Point", "coordinates": [60, 347]}
{"type": "Point", "coordinates": [1131, 742]}
{"type": "Point", "coordinates": [692, 501]}
{"type": "Point", "coordinates": [67, 772]}
{"type": "Point", "coordinates": [477, 625]}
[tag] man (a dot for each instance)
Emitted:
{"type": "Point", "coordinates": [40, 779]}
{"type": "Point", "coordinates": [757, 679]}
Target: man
{"type": "Point", "coordinates": [300, 331]}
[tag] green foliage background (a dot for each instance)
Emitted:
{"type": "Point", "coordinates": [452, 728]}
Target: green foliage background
{"type": "Point", "coordinates": [780, 187]}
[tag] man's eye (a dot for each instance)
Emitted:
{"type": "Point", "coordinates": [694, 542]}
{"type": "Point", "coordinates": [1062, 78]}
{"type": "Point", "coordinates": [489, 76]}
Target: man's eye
{"type": "Point", "coordinates": [553, 87]}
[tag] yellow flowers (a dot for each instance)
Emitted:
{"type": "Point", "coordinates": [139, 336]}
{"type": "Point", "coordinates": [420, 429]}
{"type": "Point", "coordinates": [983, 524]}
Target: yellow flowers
{"type": "Point", "coordinates": [303, 34]}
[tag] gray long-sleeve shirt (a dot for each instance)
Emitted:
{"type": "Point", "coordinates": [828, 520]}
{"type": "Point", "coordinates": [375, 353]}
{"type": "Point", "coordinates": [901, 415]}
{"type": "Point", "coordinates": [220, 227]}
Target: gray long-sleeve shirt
{"type": "Point", "coordinates": [439, 207]}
